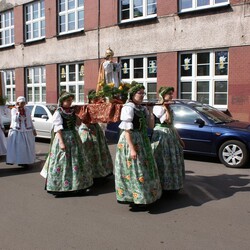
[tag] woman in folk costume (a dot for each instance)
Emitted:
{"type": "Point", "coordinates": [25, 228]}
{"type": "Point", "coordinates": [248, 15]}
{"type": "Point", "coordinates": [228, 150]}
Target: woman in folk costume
{"type": "Point", "coordinates": [21, 137]}
{"type": "Point", "coordinates": [108, 71]}
{"type": "Point", "coordinates": [96, 148]}
{"type": "Point", "coordinates": [3, 142]}
{"type": "Point", "coordinates": [167, 145]}
{"type": "Point", "coordinates": [136, 175]}
{"type": "Point", "coordinates": [66, 168]}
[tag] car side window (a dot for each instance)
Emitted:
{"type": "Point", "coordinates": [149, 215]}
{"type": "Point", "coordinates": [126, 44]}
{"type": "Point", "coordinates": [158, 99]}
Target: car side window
{"type": "Point", "coordinates": [184, 114]}
{"type": "Point", "coordinates": [39, 112]}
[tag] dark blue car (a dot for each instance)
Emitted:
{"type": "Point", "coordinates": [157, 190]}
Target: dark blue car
{"type": "Point", "coordinates": [208, 131]}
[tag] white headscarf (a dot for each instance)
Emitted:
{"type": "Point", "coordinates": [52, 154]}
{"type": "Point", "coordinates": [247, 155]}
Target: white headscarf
{"type": "Point", "coordinates": [21, 99]}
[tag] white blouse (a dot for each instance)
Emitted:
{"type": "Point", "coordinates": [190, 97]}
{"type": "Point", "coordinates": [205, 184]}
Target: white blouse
{"type": "Point", "coordinates": [21, 123]}
{"type": "Point", "coordinates": [57, 121]}
{"type": "Point", "coordinates": [127, 115]}
{"type": "Point", "coordinates": [160, 113]}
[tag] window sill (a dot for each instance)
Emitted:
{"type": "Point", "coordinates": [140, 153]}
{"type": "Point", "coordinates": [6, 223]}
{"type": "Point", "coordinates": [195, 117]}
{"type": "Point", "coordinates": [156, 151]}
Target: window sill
{"type": "Point", "coordinates": [28, 43]}
{"type": "Point", "coordinates": [147, 20]}
{"type": "Point", "coordinates": [70, 34]}
{"type": "Point", "coordinates": [12, 46]}
{"type": "Point", "coordinates": [205, 10]}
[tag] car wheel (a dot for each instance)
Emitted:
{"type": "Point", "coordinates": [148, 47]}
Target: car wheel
{"type": "Point", "coordinates": [233, 154]}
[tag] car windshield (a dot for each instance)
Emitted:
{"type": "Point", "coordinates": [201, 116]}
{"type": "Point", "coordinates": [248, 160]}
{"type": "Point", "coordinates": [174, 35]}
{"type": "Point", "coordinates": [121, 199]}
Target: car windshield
{"type": "Point", "coordinates": [213, 114]}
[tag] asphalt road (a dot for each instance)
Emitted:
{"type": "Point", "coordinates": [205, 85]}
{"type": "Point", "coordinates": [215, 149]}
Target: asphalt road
{"type": "Point", "coordinates": [212, 212]}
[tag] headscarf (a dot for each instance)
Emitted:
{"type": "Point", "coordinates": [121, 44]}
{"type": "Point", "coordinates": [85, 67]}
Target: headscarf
{"type": "Point", "coordinates": [132, 91]}
{"type": "Point", "coordinates": [64, 95]}
{"type": "Point", "coordinates": [20, 99]}
{"type": "Point", "coordinates": [163, 91]}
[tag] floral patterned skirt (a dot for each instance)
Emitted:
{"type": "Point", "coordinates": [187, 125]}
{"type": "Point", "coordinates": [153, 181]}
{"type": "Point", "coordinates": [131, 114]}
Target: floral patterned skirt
{"type": "Point", "coordinates": [168, 154]}
{"type": "Point", "coordinates": [67, 170]}
{"type": "Point", "coordinates": [137, 180]}
{"type": "Point", "coordinates": [96, 149]}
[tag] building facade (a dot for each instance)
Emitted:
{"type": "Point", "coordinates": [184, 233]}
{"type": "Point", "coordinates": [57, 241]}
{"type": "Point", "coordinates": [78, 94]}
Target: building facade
{"type": "Point", "coordinates": [201, 47]}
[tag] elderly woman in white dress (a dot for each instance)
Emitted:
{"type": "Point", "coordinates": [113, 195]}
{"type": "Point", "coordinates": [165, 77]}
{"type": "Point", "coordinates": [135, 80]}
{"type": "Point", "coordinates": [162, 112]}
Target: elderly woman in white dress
{"type": "Point", "coordinates": [21, 138]}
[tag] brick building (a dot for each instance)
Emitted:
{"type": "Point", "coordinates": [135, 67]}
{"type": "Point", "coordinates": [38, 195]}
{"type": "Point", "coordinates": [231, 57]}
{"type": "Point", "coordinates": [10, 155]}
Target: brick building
{"type": "Point", "coordinates": [201, 47]}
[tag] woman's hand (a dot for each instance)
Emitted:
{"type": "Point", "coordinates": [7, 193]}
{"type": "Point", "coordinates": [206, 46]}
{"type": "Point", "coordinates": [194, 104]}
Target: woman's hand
{"type": "Point", "coordinates": [62, 145]}
{"type": "Point", "coordinates": [34, 132]}
{"type": "Point", "coordinates": [133, 154]}
{"type": "Point", "coordinates": [182, 143]}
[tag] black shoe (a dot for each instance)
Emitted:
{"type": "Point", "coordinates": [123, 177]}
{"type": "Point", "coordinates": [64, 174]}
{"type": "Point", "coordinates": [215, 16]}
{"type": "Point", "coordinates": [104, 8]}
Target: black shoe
{"type": "Point", "coordinates": [9, 163]}
{"type": "Point", "coordinates": [23, 165]}
{"type": "Point", "coordinates": [126, 202]}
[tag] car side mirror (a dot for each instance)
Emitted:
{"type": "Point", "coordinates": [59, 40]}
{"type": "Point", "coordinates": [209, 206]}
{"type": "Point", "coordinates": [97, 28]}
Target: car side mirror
{"type": "Point", "coordinates": [200, 122]}
{"type": "Point", "coordinates": [44, 117]}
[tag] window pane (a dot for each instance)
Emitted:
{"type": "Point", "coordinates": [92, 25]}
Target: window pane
{"type": "Point", "coordinates": [202, 87]}
{"type": "Point", "coordinates": [62, 5]}
{"type": "Point", "coordinates": [152, 87]}
{"type": "Point", "coordinates": [80, 3]}
{"type": "Point", "coordinates": [35, 30]}
{"type": "Point", "coordinates": [71, 4]}
{"type": "Point", "coordinates": [203, 64]}
{"type": "Point", "coordinates": [72, 73]}
{"type": "Point", "coordinates": [72, 89]}
{"type": "Point", "coordinates": [63, 73]}
{"type": "Point", "coordinates": [186, 65]}
{"type": "Point", "coordinates": [36, 94]}
{"type": "Point", "coordinates": [62, 23]}
{"type": "Point", "coordinates": [35, 11]}
{"type": "Point", "coordinates": [138, 8]}
{"type": "Point", "coordinates": [81, 72]}
{"type": "Point", "coordinates": [152, 67]}
{"type": "Point", "coordinates": [202, 2]}
{"type": "Point", "coordinates": [125, 68]}
{"type": "Point", "coordinates": [71, 21]}
{"type": "Point", "coordinates": [29, 94]}
{"type": "Point", "coordinates": [39, 111]}
{"type": "Point", "coordinates": [138, 68]}
{"type": "Point", "coordinates": [80, 19]}
{"type": "Point", "coordinates": [125, 5]}
{"type": "Point", "coordinates": [221, 63]}
{"type": "Point", "coordinates": [36, 75]}
{"type": "Point", "coordinates": [186, 96]}
{"type": "Point", "coordinates": [185, 4]}
{"type": "Point", "coordinates": [186, 87]}
{"type": "Point", "coordinates": [220, 99]}
{"type": "Point", "coordinates": [43, 94]}
{"type": "Point", "coordinates": [220, 86]}
{"type": "Point", "coordinates": [221, 1]}
{"type": "Point", "coordinates": [42, 11]}
{"type": "Point", "coordinates": [81, 93]}
{"type": "Point", "coordinates": [28, 12]}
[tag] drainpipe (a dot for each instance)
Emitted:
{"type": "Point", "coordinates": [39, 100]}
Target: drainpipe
{"type": "Point", "coordinates": [98, 30]}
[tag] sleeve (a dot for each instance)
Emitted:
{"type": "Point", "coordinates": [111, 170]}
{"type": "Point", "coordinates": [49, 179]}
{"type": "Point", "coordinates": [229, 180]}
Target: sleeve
{"type": "Point", "coordinates": [57, 121]}
{"type": "Point", "coordinates": [13, 117]}
{"type": "Point", "coordinates": [29, 117]}
{"type": "Point", "coordinates": [1, 122]}
{"type": "Point", "coordinates": [160, 113]}
{"type": "Point", "coordinates": [117, 67]}
{"type": "Point", "coordinates": [108, 67]}
{"type": "Point", "coordinates": [127, 116]}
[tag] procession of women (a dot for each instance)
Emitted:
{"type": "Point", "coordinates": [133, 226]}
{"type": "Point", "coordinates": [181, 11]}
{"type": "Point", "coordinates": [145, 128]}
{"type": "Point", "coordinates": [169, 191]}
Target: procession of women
{"type": "Point", "coordinates": [145, 168]}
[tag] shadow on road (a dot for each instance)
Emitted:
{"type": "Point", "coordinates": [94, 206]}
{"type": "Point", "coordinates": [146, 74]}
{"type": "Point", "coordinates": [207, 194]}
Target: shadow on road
{"type": "Point", "coordinates": [199, 190]}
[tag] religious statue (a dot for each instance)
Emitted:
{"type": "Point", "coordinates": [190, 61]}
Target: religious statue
{"type": "Point", "coordinates": [108, 71]}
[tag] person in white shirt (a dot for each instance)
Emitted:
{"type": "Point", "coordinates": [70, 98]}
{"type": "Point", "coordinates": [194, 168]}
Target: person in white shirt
{"type": "Point", "coordinates": [21, 137]}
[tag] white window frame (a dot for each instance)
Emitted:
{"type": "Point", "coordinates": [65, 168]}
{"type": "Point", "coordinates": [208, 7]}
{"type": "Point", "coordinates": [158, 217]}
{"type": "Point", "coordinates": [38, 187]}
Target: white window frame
{"type": "Point", "coordinates": [32, 21]}
{"type": "Point", "coordinates": [211, 78]}
{"type": "Point", "coordinates": [77, 83]}
{"type": "Point", "coordinates": [41, 84]}
{"type": "Point", "coordinates": [211, 4]}
{"type": "Point", "coordinates": [131, 12]}
{"type": "Point", "coordinates": [145, 79]}
{"type": "Point", "coordinates": [11, 87]}
{"type": "Point", "coordinates": [66, 13]}
{"type": "Point", "coordinates": [7, 28]}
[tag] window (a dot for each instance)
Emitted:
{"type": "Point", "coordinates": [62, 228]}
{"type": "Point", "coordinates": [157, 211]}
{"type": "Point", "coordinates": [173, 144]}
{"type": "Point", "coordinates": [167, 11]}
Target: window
{"type": "Point", "coordinates": [9, 85]}
{"type": "Point", "coordinates": [71, 15]}
{"type": "Point", "coordinates": [131, 10]}
{"type": "Point", "coordinates": [36, 84]}
{"type": "Point", "coordinates": [6, 28]}
{"type": "Point", "coordinates": [35, 20]}
{"type": "Point", "coordinates": [184, 114]}
{"type": "Point", "coordinates": [142, 70]}
{"type": "Point", "coordinates": [71, 77]}
{"type": "Point", "coordinates": [189, 5]}
{"type": "Point", "coordinates": [40, 112]}
{"type": "Point", "coordinates": [204, 77]}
